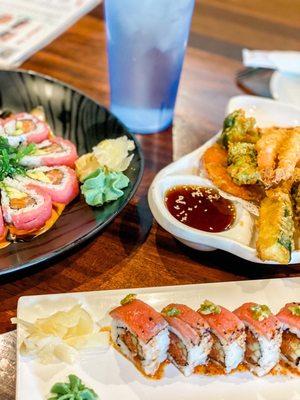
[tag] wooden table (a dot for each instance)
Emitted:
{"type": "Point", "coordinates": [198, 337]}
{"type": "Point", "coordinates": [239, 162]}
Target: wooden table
{"type": "Point", "coordinates": [134, 251]}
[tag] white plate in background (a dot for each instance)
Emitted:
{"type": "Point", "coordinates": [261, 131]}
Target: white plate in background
{"type": "Point", "coordinates": [285, 88]}
{"type": "Point", "coordinates": [185, 171]}
{"type": "Point", "coordinates": [113, 377]}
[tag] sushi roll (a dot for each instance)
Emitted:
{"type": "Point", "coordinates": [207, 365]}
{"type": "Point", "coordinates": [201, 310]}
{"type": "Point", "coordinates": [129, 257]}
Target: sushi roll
{"type": "Point", "coordinates": [140, 333]}
{"type": "Point", "coordinates": [24, 127]}
{"type": "Point", "coordinates": [289, 316]}
{"type": "Point", "coordinates": [26, 208]}
{"type": "Point", "coordinates": [263, 337]}
{"type": "Point", "coordinates": [52, 152]}
{"type": "Point", "coordinates": [190, 339]}
{"type": "Point", "coordinates": [59, 182]}
{"type": "Point", "coordinates": [228, 334]}
{"type": "Point", "coordinates": [2, 226]}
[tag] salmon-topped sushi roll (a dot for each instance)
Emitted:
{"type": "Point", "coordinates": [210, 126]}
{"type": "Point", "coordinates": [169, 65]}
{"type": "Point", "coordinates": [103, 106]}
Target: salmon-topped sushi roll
{"type": "Point", "coordinates": [2, 226]}
{"type": "Point", "coordinates": [141, 334]}
{"type": "Point", "coordinates": [263, 337]}
{"type": "Point", "coordinates": [190, 339]}
{"type": "Point", "coordinates": [228, 334]}
{"type": "Point", "coordinates": [59, 182]}
{"type": "Point", "coordinates": [52, 152]}
{"type": "Point", "coordinates": [289, 316]}
{"type": "Point", "coordinates": [24, 127]}
{"type": "Point", "coordinates": [26, 208]}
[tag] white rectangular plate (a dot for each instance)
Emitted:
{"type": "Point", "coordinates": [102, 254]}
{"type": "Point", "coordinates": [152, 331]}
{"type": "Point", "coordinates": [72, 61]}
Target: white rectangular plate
{"type": "Point", "coordinates": [113, 377]}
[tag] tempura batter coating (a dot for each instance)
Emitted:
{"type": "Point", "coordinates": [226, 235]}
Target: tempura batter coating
{"type": "Point", "coordinates": [275, 227]}
{"type": "Point", "coordinates": [242, 163]}
{"type": "Point", "coordinates": [238, 128]}
{"type": "Point", "coordinates": [267, 151]}
{"type": "Point", "coordinates": [215, 163]}
{"type": "Point", "coordinates": [289, 155]}
{"type": "Point", "coordinates": [295, 192]}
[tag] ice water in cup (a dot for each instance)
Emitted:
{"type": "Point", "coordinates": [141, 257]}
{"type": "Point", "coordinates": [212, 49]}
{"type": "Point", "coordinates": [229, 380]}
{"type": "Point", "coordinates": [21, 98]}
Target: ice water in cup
{"type": "Point", "coordinates": [146, 45]}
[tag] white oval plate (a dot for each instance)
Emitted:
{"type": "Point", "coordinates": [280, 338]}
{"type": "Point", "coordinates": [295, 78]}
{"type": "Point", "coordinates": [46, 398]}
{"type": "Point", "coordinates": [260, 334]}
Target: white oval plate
{"type": "Point", "coordinates": [285, 87]}
{"type": "Point", "coordinates": [240, 239]}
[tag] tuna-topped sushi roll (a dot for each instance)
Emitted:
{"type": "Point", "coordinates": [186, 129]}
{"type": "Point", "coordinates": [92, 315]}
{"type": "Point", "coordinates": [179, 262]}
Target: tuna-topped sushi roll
{"type": "Point", "coordinates": [289, 316]}
{"type": "Point", "coordinates": [190, 339]}
{"type": "Point", "coordinates": [59, 182]}
{"type": "Point", "coordinates": [141, 334]}
{"type": "Point", "coordinates": [263, 337]}
{"type": "Point", "coordinates": [228, 334]}
{"type": "Point", "coordinates": [26, 208]}
{"type": "Point", "coordinates": [51, 152]}
{"type": "Point", "coordinates": [24, 127]}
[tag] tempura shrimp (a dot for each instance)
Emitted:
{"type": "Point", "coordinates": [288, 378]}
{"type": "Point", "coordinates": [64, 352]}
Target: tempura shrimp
{"type": "Point", "coordinates": [215, 163]}
{"type": "Point", "coordinates": [267, 149]}
{"type": "Point", "coordinates": [288, 156]}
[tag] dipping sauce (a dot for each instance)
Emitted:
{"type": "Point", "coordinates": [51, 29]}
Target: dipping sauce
{"type": "Point", "coordinates": [200, 207]}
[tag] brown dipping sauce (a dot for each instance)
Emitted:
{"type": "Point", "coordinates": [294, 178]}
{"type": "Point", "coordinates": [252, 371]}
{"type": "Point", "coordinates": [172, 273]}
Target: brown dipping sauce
{"type": "Point", "coordinates": [200, 207]}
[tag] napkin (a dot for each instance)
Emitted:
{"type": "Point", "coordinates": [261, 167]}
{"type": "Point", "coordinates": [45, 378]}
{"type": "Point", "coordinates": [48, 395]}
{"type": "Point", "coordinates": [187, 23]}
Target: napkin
{"type": "Point", "coordinates": [284, 61]}
{"type": "Point", "coordinates": [7, 365]}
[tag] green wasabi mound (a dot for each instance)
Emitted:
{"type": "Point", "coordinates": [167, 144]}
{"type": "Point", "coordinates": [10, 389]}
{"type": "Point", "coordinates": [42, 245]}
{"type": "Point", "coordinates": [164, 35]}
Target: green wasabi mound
{"type": "Point", "coordinates": [103, 186]}
{"type": "Point", "coordinates": [73, 390]}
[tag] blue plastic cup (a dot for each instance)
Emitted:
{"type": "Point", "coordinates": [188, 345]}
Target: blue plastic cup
{"type": "Point", "coordinates": [146, 45]}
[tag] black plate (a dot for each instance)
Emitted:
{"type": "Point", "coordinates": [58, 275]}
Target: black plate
{"type": "Point", "coordinates": [80, 119]}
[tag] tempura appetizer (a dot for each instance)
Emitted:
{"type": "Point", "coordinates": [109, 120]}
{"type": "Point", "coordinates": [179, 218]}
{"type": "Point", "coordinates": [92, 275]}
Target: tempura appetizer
{"type": "Point", "coordinates": [260, 165]}
{"type": "Point", "coordinates": [275, 227]}
{"type": "Point", "coordinates": [288, 156]}
{"type": "Point", "coordinates": [242, 164]}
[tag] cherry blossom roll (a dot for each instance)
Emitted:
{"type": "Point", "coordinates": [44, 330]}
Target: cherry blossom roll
{"type": "Point", "coordinates": [24, 127]}
{"type": "Point", "coordinates": [52, 152]}
{"type": "Point", "coordinates": [60, 182]}
{"type": "Point", "coordinates": [25, 207]}
{"type": "Point", "coordinates": [2, 225]}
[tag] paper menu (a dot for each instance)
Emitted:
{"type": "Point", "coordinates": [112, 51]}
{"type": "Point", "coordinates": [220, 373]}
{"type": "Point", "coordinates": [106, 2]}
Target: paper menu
{"type": "Point", "coordinates": [28, 25]}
